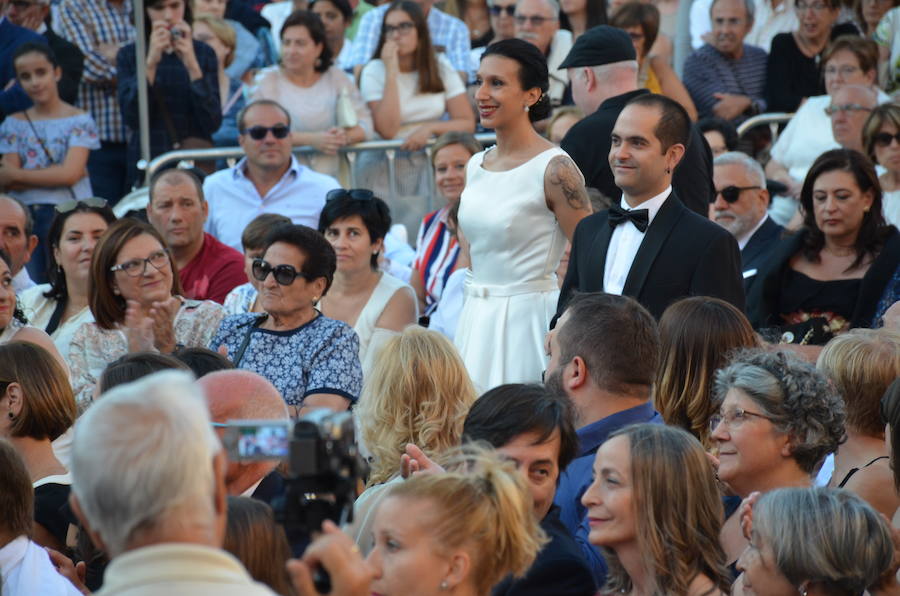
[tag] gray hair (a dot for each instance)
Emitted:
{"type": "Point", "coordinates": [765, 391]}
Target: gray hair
{"type": "Point", "coordinates": [798, 399]}
{"type": "Point", "coordinates": [142, 458]}
{"type": "Point", "coordinates": [749, 6]}
{"type": "Point", "coordinates": [871, 96]}
{"type": "Point", "coordinates": [751, 167]}
{"type": "Point", "coordinates": [553, 4]}
{"type": "Point", "coordinates": [851, 547]}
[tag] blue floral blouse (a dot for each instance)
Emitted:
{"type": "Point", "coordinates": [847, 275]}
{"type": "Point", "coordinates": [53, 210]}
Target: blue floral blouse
{"type": "Point", "coordinates": [321, 356]}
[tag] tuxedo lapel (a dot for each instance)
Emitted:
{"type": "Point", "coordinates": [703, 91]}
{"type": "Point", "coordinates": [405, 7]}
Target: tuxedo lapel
{"type": "Point", "coordinates": [659, 230]}
{"type": "Point", "coordinates": [763, 239]}
{"type": "Point", "coordinates": [596, 262]}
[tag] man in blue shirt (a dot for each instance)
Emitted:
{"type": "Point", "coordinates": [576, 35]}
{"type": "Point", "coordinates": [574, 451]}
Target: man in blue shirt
{"type": "Point", "coordinates": [603, 356]}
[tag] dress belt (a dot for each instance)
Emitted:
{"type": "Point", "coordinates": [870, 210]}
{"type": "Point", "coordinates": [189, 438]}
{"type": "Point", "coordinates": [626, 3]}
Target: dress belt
{"type": "Point", "coordinates": [529, 287]}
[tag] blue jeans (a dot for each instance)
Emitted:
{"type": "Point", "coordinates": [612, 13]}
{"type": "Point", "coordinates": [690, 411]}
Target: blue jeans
{"type": "Point", "coordinates": [107, 168]}
{"type": "Point", "coordinates": [42, 215]}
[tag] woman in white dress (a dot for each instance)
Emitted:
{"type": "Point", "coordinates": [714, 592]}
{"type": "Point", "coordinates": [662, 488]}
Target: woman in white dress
{"type": "Point", "coordinates": [522, 201]}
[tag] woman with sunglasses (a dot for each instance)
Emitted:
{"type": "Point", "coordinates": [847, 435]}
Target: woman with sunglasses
{"type": "Point", "coordinates": [61, 306]}
{"type": "Point", "coordinates": [881, 139]}
{"type": "Point", "coordinates": [829, 276]}
{"type": "Point", "coordinates": [375, 303]}
{"type": "Point", "coordinates": [778, 417]}
{"type": "Point", "coordinates": [45, 148]}
{"type": "Point", "coordinates": [134, 295]}
{"type": "Point", "coordinates": [312, 359]}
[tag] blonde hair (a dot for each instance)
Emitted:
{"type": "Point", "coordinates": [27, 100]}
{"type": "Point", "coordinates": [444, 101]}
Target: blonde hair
{"type": "Point", "coordinates": [696, 337]}
{"type": "Point", "coordinates": [678, 542]}
{"type": "Point", "coordinates": [223, 31]}
{"type": "Point", "coordinates": [483, 506]}
{"type": "Point", "coordinates": [417, 392]}
{"type": "Point", "coordinates": [862, 364]}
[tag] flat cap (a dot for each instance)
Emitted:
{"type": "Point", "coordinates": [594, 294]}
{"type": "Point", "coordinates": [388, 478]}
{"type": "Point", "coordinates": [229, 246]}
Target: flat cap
{"type": "Point", "coordinates": [598, 46]}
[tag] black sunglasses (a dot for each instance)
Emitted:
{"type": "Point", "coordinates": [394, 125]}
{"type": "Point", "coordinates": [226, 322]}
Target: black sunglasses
{"type": "Point", "coordinates": [258, 133]}
{"type": "Point", "coordinates": [732, 193]}
{"type": "Point", "coordinates": [498, 10]}
{"type": "Point", "coordinates": [72, 204]}
{"type": "Point", "coordinates": [883, 139]}
{"type": "Point", "coordinates": [357, 194]}
{"type": "Point", "coordinates": [284, 274]}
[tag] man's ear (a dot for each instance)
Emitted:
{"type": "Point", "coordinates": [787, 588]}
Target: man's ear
{"type": "Point", "coordinates": [85, 526]}
{"type": "Point", "coordinates": [674, 155]}
{"type": "Point", "coordinates": [32, 244]}
{"type": "Point", "coordinates": [575, 375]}
{"type": "Point", "coordinates": [220, 496]}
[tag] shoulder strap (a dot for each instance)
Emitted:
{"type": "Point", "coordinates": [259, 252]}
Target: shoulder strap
{"type": "Point", "coordinates": [56, 317]}
{"type": "Point", "coordinates": [246, 341]}
{"type": "Point", "coordinates": [46, 150]}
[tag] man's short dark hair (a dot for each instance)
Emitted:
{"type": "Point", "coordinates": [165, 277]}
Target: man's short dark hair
{"type": "Point", "coordinates": [674, 126]}
{"type": "Point", "coordinates": [508, 411]}
{"type": "Point", "coordinates": [260, 102]}
{"type": "Point", "coordinates": [617, 339]}
{"type": "Point", "coordinates": [175, 172]}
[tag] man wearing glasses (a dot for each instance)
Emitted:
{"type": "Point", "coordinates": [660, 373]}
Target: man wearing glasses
{"type": "Point", "coordinates": [850, 107]}
{"type": "Point", "coordinates": [267, 180]}
{"type": "Point", "coordinates": [741, 206]}
{"type": "Point", "coordinates": [537, 22]}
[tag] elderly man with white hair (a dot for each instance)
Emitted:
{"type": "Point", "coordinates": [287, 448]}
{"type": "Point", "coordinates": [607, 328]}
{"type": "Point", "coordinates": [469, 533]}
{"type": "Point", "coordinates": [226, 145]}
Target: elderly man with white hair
{"type": "Point", "coordinates": [537, 22]}
{"type": "Point", "coordinates": [741, 207]}
{"type": "Point", "coordinates": [149, 485]}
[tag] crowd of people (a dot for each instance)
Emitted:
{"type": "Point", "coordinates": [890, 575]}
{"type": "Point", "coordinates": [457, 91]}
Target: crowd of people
{"type": "Point", "coordinates": [626, 349]}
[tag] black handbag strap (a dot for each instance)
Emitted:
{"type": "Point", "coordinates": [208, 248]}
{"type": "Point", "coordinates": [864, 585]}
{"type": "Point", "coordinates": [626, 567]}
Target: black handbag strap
{"type": "Point", "coordinates": [246, 341]}
{"type": "Point", "coordinates": [56, 317]}
{"type": "Point", "coordinates": [167, 118]}
{"type": "Point", "coordinates": [46, 150]}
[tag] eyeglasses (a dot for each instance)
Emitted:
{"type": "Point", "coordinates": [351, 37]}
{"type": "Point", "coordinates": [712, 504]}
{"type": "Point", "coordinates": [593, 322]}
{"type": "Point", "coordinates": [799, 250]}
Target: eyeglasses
{"type": "Point", "coordinates": [535, 21]}
{"type": "Point", "coordinates": [883, 139]}
{"type": "Point", "coordinates": [401, 28]}
{"type": "Point", "coordinates": [847, 107]}
{"type": "Point", "coordinates": [72, 204]}
{"type": "Point", "coordinates": [357, 194]}
{"type": "Point", "coordinates": [733, 419]}
{"type": "Point", "coordinates": [732, 193]}
{"type": "Point", "coordinates": [258, 133]}
{"type": "Point", "coordinates": [844, 71]}
{"type": "Point", "coordinates": [815, 7]}
{"type": "Point", "coordinates": [137, 267]}
{"type": "Point", "coordinates": [284, 274]}
{"type": "Point", "coordinates": [508, 10]}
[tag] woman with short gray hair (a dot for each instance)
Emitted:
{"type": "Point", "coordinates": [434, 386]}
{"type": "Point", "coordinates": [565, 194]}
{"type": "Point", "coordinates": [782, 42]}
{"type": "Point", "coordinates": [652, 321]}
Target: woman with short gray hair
{"type": "Point", "coordinates": [850, 551]}
{"type": "Point", "coordinates": [778, 417]}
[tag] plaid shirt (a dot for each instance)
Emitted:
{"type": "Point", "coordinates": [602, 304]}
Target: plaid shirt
{"type": "Point", "coordinates": [87, 23]}
{"type": "Point", "coordinates": [447, 31]}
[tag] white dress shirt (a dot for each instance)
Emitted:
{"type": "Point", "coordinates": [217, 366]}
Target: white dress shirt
{"type": "Point", "coordinates": [234, 201]}
{"type": "Point", "coordinates": [624, 244]}
{"type": "Point", "coordinates": [25, 568]}
{"type": "Point", "coordinates": [743, 240]}
{"type": "Point", "coordinates": [21, 281]}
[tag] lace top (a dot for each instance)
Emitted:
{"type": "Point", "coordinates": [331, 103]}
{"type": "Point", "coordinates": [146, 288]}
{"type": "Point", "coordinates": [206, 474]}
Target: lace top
{"type": "Point", "coordinates": [92, 348]}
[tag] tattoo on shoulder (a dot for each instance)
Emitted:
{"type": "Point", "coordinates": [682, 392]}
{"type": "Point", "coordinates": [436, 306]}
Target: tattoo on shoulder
{"type": "Point", "coordinates": [564, 174]}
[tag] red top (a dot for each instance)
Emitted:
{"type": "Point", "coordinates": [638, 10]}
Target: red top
{"type": "Point", "coordinates": [213, 272]}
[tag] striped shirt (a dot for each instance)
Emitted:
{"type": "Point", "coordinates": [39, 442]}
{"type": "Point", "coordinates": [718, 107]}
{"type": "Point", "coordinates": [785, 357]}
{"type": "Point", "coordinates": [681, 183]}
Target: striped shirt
{"type": "Point", "coordinates": [436, 253]}
{"type": "Point", "coordinates": [708, 71]}
{"type": "Point", "coordinates": [88, 23]}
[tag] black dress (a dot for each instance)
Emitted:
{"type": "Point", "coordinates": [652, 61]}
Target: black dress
{"type": "Point", "coordinates": [51, 509]}
{"type": "Point", "coordinates": [803, 297]}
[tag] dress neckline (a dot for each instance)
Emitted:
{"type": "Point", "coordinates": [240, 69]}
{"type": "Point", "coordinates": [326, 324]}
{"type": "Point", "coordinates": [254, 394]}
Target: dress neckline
{"type": "Point", "coordinates": [523, 164]}
{"type": "Point", "coordinates": [824, 281]}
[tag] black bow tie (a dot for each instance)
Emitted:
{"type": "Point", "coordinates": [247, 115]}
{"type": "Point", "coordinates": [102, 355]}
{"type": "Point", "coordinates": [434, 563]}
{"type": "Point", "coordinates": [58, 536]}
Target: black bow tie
{"type": "Point", "coordinates": [639, 217]}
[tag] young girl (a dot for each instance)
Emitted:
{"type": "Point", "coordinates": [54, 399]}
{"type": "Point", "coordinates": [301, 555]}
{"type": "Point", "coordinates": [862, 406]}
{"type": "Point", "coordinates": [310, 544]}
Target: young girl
{"type": "Point", "coordinates": [45, 148]}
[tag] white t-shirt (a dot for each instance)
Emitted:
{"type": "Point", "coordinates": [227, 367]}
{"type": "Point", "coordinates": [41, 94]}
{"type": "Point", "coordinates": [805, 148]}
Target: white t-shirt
{"type": "Point", "coordinates": [415, 107]}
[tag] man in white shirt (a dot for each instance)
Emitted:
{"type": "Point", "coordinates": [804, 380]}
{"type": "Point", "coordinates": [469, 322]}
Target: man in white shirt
{"type": "Point", "coordinates": [16, 239]}
{"type": "Point", "coordinates": [652, 247]}
{"type": "Point", "coordinates": [162, 520]}
{"type": "Point", "coordinates": [268, 180]}
{"type": "Point", "coordinates": [537, 22]}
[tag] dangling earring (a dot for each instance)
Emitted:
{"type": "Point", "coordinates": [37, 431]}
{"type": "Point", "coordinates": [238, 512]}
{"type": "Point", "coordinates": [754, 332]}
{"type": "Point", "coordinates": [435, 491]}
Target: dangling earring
{"type": "Point", "coordinates": [668, 170]}
{"type": "Point", "coordinates": [527, 109]}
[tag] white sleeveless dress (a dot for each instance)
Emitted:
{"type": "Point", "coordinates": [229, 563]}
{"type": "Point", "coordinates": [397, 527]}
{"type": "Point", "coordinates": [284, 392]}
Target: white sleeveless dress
{"type": "Point", "coordinates": [511, 292]}
{"type": "Point", "coordinates": [372, 338]}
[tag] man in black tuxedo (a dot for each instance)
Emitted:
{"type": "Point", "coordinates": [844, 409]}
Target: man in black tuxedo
{"type": "Point", "coordinates": [603, 72]}
{"type": "Point", "coordinates": [652, 248]}
{"type": "Point", "coordinates": [741, 207]}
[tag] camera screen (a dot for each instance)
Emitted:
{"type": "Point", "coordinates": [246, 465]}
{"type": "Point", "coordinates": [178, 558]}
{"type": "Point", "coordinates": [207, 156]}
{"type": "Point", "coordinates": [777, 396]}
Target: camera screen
{"type": "Point", "coordinates": [262, 440]}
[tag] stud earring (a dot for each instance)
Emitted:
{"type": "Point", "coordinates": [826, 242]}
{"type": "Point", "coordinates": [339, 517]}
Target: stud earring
{"type": "Point", "coordinates": [444, 585]}
{"type": "Point", "coordinates": [527, 109]}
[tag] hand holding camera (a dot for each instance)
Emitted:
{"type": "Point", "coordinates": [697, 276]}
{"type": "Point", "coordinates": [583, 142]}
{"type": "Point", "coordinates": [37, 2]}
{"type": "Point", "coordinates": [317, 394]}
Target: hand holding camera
{"type": "Point", "coordinates": [336, 553]}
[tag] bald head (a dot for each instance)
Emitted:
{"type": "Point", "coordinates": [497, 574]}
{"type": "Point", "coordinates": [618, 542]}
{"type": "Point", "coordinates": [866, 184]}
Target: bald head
{"type": "Point", "coordinates": [241, 395]}
{"type": "Point", "coordinates": [849, 109]}
{"type": "Point", "coordinates": [16, 238]}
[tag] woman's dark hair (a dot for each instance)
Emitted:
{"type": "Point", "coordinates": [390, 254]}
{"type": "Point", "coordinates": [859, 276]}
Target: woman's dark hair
{"type": "Point", "coordinates": [721, 126]}
{"type": "Point", "coordinates": [874, 230]}
{"type": "Point", "coordinates": [17, 495]}
{"type": "Point", "coordinates": [17, 312]}
{"type": "Point", "coordinates": [148, 24]}
{"type": "Point", "coordinates": [532, 71]}
{"type": "Point", "coordinates": [252, 536]}
{"type": "Point", "coordinates": [57, 277]}
{"type": "Point", "coordinates": [596, 15]}
{"type": "Point", "coordinates": [136, 365]}
{"type": "Point", "coordinates": [342, 5]}
{"type": "Point", "coordinates": [319, 258]}
{"type": "Point", "coordinates": [374, 213]}
{"type": "Point", "coordinates": [202, 361]}
{"type": "Point", "coordinates": [425, 59]}
{"type": "Point", "coordinates": [638, 14]}
{"type": "Point", "coordinates": [313, 24]}
{"type": "Point", "coordinates": [890, 414]}
{"type": "Point", "coordinates": [38, 47]}
{"type": "Point", "coordinates": [857, 10]}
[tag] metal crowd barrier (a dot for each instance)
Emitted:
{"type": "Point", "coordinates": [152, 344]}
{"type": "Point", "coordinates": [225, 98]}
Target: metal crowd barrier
{"type": "Point", "coordinates": [773, 119]}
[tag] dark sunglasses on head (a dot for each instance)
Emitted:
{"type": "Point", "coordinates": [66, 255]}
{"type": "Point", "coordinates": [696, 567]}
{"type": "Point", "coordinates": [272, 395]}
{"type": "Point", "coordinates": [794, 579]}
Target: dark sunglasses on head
{"type": "Point", "coordinates": [498, 10]}
{"type": "Point", "coordinates": [72, 204]}
{"type": "Point", "coordinates": [258, 133]}
{"type": "Point", "coordinates": [732, 193]}
{"type": "Point", "coordinates": [284, 274]}
{"type": "Point", "coordinates": [883, 139]}
{"type": "Point", "coordinates": [357, 194]}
